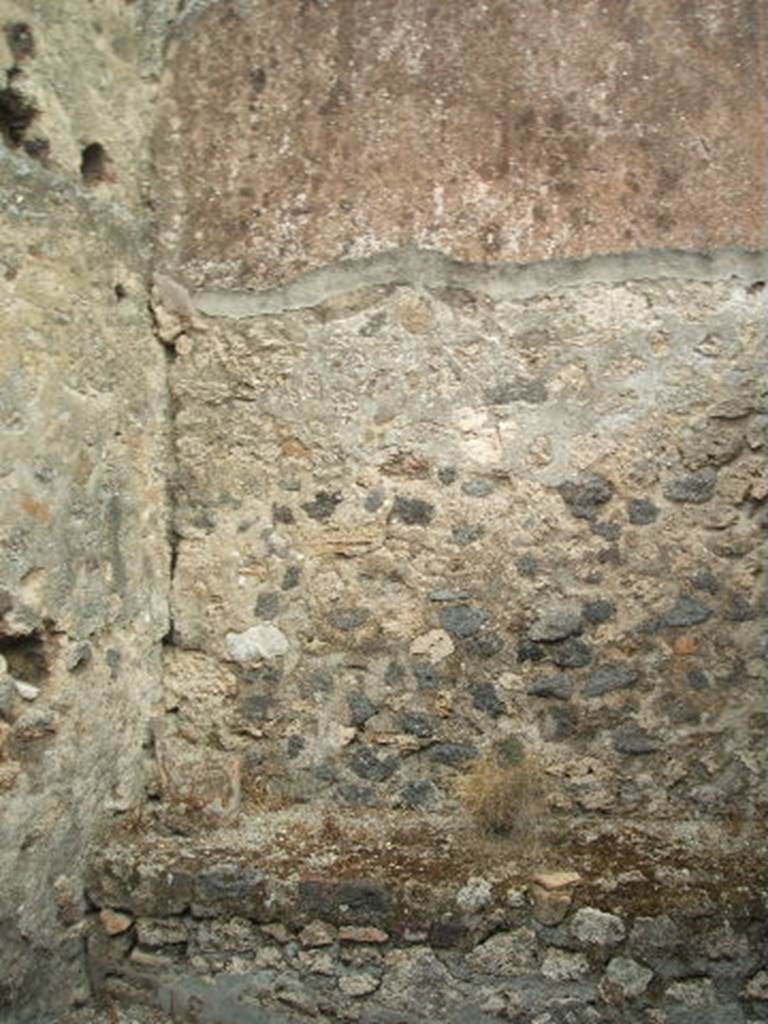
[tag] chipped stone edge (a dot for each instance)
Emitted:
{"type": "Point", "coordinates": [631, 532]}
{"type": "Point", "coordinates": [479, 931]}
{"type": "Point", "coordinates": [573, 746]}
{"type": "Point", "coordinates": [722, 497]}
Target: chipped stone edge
{"type": "Point", "coordinates": [432, 269]}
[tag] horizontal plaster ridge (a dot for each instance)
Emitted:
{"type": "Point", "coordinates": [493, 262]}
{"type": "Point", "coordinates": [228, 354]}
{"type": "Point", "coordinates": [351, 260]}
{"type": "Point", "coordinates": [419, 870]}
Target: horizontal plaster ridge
{"type": "Point", "coordinates": [509, 280]}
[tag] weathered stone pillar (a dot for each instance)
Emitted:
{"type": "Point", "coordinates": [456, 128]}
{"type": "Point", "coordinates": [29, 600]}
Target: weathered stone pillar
{"type": "Point", "coordinates": [83, 412]}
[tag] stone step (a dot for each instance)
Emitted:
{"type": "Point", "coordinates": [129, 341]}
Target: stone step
{"type": "Point", "coordinates": [392, 919]}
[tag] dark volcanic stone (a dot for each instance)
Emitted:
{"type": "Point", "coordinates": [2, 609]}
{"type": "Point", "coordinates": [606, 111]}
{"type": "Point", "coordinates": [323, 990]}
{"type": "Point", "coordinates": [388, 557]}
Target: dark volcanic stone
{"type": "Point", "coordinates": [361, 708]}
{"type": "Point", "coordinates": [447, 475]}
{"type": "Point", "coordinates": [609, 677]}
{"type": "Point", "coordinates": [7, 699]}
{"type": "Point", "coordinates": [418, 793]}
{"type": "Point", "coordinates": [528, 565]}
{"type": "Point", "coordinates": [486, 645]}
{"type": "Point", "coordinates": [364, 896]}
{"type": "Point", "coordinates": [570, 653]}
{"type": "Point", "coordinates": [687, 611]}
{"type": "Point", "coordinates": [705, 581]}
{"type": "Point", "coordinates": [374, 500]}
{"type": "Point", "coordinates": [559, 723]}
{"type": "Point", "coordinates": [320, 681]}
{"type": "Point", "coordinates": [485, 698]}
{"type": "Point", "coordinates": [449, 595]}
{"type": "Point", "coordinates": [520, 389]}
{"type": "Point", "coordinates": [347, 619]}
{"type": "Point", "coordinates": [427, 676]}
{"type": "Point", "coordinates": [467, 533]}
{"type": "Point", "coordinates": [417, 723]}
{"type": "Point", "coordinates": [599, 611]}
{"type": "Point", "coordinates": [294, 746]}
{"type": "Point", "coordinates": [510, 750]}
{"type": "Point", "coordinates": [478, 488]}
{"type": "Point", "coordinates": [463, 620]}
{"type": "Point", "coordinates": [357, 796]}
{"type": "Point", "coordinates": [586, 495]}
{"type": "Point", "coordinates": [609, 531]}
{"type": "Point", "coordinates": [267, 605]}
{"type": "Point", "coordinates": [394, 673]}
{"type": "Point", "coordinates": [528, 650]}
{"type": "Point", "coordinates": [324, 505]}
{"type": "Point", "coordinates": [413, 511]}
{"type": "Point", "coordinates": [257, 707]}
{"type": "Point", "coordinates": [631, 738]}
{"type": "Point", "coordinates": [283, 514]}
{"type": "Point", "coordinates": [697, 679]}
{"type": "Point", "coordinates": [648, 627]}
{"type": "Point", "coordinates": [609, 556]}
{"type": "Point", "coordinates": [351, 901]}
{"type": "Point", "coordinates": [692, 488]}
{"type": "Point", "coordinates": [738, 608]}
{"type": "Point", "coordinates": [447, 934]}
{"type": "Point", "coordinates": [291, 577]}
{"type": "Point", "coordinates": [642, 512]}
{"type": "Point", "coordinates": [326, 771]}
{"type": "Point", "coordinates": [233, 889]}
{"type": "Point", "coordinates": [453, 754]}
{"type": "Point", "coordinates": [365, 762]}
{"type": "Point", "coordinates": [266, 675]}
{"type": "Point", "coordinates": [560, 686]}
{"type": "Point", "coordinates": [654, 939]}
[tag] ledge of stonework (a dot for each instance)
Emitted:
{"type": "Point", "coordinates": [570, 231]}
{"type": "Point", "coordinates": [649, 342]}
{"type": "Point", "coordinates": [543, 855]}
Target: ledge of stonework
{"type": "Point", "coordinates": [345, 917]}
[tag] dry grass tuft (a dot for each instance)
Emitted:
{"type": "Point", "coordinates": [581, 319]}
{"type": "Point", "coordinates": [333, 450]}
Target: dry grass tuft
{"type": "Point", "coordinates": [505, 799]}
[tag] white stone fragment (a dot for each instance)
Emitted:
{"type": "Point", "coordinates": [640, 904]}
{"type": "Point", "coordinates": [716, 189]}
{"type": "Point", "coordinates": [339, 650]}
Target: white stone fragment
{"type": "Point", "coordinates": [173, 296]}
{"type": "Point", "coordinates": [596, 927]}
{"type": "Point", "coordinates": [358, 984]}
{"type": "Point", "coordinates": [697, 992]}
{"type": "Point", "coordinates": [559, 965]}
{"type": "Point", "coordinates": [475, 894]}
{"type": "Point", "coordinates": [757, 987]}
{"type": "Point", "coordinates": [627, 977]}
{"type": "Point", "coordinates": [258, 642]}
{"type": "Point", "coordinates": [26, 690]}
{"type": "Point", "coordinates": [434, 646]}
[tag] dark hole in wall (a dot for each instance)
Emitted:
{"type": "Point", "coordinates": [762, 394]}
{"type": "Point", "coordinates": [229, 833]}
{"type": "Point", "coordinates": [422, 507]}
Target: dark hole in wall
{"type": "Point", "coordinates": [20, 40]}
{"type": "Point", "coordinates": [756, 287]}
{"type": "Point", "coordinates": [94, 164]}
{"type": "Point", "coordinates": [16, 115]}
{"type": "Point", "coordinates": [26, 657]}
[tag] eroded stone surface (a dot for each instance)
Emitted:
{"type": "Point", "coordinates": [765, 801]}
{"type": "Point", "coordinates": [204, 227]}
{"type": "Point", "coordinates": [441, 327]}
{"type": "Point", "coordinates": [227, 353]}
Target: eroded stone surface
{"type": "Point", "coordinates": [390, 470]}
{"type": "Point", "coordinates": [490, 133]}
{"type": "Point", "coordinates": [84, 559]}
{"type": "Point", "coordinates": [413, 643]}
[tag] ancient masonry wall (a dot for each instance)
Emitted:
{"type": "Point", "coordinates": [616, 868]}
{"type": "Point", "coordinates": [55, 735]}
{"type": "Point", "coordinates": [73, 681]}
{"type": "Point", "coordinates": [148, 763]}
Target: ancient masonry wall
{"type": "Point", "coordinates": [398, 407]}
{"type": "Point", "coordinates": [83, 414]}
{"type": "Point", "coordinates": [449, 514]}
{"type": "Point", "coordinates": [448, 483]}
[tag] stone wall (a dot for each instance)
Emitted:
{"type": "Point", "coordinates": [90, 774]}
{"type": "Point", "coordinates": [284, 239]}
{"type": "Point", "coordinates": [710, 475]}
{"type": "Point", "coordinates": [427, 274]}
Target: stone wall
{"type": "Point", "coordinates": [433, 519]}
{"type": "Point", "coordinates": [383, 400]}
{"type": "Point", "coordinates": [338, 918]}
{"type": "Point", "coordinates": [431, 504]}
{"type": "Point", "coordinates": [83, 546]}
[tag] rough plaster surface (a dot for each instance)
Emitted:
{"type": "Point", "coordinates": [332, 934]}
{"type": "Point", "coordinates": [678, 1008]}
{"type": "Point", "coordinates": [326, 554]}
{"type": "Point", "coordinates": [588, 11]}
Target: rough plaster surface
{"type": "Point", "coordinates": [487, 131]}
{"type": "Point", "coordinates": [83, 443]}
{"type": "Point", "coordinates": [448, 481]}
